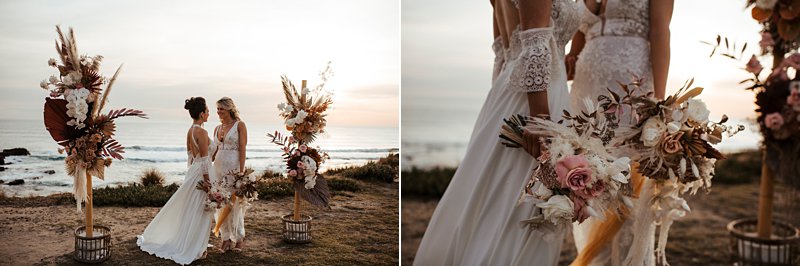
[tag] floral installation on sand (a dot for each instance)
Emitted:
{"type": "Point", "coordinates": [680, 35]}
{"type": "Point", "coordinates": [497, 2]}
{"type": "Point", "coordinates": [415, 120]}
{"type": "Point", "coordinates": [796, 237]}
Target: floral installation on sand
{"type": "Point", "coordinates": [304, 116]}
{"type": "Point", "coordinates": [72, 113]}
{"type": "Point", "coordinates": [777, 97]}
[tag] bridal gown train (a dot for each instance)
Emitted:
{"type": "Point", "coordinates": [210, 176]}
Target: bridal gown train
{"type": "Point", "coordinates": [617, 49]}
{"type": "Point", "coordinates": [181, 229]}
{"type": "Point", "coordinates": [478, 220]}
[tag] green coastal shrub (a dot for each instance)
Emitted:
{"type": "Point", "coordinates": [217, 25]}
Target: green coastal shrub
{"type": "Point", "coordinates": [426, 183]}
{"type": "Point", "coordinates": [133, 195]}
{"type": "Point", "coordinates": [152, 177]}
{"type": "Point", "coordinates": [385, 169]}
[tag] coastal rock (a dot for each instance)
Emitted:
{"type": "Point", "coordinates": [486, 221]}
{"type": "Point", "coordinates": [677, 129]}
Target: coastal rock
{"type": "Point", "coordinates": [50, 172]}
{"type": "Point", "coordinates": [16, 152]}
{"type": "Point", "coordinates": [16, 182]}
{"type": "Point", "coordinates": [2, 168]}
{"type": "Point", "coordinates": [2, 181]}
{"type": "Point", "coordinates": [2, 159]}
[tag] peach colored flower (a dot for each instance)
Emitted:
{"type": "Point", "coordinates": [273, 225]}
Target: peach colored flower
{"type": "Point", "coordinates": [794, 98]}
{"type": "Point", "coordinates": [774, 121]}
{"type": "Point", "coordinates": [672, 143]}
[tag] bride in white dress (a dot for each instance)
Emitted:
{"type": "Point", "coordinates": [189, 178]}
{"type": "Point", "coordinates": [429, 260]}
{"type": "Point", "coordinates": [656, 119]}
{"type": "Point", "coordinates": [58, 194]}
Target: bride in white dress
{"type": "Point", "coordinates": [477, 220]}
{"type": "Point", "coordinates": [619, 41]}
{"type": "Point", "coordinates": [231, 142]}
{"type": "Point", "coordinates": [180, 230]}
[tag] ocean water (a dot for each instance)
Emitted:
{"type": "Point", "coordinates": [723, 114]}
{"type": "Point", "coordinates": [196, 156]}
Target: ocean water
{"type": "Point", "coordinates": [430, 146]}
{"type": "Point", "coordinates": [161, 145]}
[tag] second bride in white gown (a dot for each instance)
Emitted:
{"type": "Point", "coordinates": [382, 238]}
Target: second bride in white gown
{"type": "Point", "coordinates": [477, 220]}
{"type": "Point", "coordinates": [231, 143]}
{"type": "Point", "coordinates": [180, 230]}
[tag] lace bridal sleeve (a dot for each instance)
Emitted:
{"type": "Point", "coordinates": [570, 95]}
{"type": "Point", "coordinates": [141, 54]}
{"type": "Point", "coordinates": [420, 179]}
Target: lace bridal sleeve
{"type": "Point", "coordinates": [532, 73]}
{"type": "Point", "coordinates": [499, 57]}
{"type": "Point", "coordinates": [205, 164]}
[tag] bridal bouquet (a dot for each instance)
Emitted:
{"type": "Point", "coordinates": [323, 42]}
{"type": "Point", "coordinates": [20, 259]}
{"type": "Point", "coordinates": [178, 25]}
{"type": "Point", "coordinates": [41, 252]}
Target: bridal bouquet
{"type": "Point", "coordinates": [577, 176]}
{"type": "Point", "coordinates": [216, 199]}
{"type": "Point", "coordinates": [672, 144]}
{"type": "Point", "coordinates": [72, 113]}
{"type": "Point", "coordinates": [244, 184]}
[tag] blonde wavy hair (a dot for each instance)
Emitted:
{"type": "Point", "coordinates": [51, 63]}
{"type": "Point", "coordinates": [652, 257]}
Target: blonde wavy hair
{"type": "Point", "coordinates": [227, 104]}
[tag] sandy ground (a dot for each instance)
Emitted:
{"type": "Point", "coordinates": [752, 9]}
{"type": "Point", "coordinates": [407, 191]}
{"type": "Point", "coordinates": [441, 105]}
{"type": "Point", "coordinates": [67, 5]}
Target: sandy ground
{"type": "Point", "coordinates": [699, 238]}
{"type": "Point", "coordinates": [361, 229]}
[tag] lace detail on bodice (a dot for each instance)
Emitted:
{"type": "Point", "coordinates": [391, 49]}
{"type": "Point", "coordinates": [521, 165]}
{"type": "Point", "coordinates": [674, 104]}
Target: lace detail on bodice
{"type": "Point", "coordinates": [621, 18]}
{"type": "Point", "coordinates": [565, 19]}
{"type": "Point", "coordinates": [230, 142]}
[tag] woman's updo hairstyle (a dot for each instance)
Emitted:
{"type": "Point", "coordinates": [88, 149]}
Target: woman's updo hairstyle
{"type": "Point", "coordinates": [196, 106]}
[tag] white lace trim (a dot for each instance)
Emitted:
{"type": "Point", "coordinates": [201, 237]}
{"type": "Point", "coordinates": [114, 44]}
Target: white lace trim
{"type": "Point", "coordinates": [532, 72]}
{"type": "Point", "coordinates": [499, 57]}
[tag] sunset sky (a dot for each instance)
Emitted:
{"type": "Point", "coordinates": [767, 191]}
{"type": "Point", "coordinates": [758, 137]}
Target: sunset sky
{"type": "Point", "coordinates": [447, 62]}
{"type": "Point", "coordinates": [173, 50]}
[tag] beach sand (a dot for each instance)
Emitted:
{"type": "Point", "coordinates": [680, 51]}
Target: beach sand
{"type": "Point", "coordinates": [698, 238]}
{"type": "Point", "coordinates": [360, 229]}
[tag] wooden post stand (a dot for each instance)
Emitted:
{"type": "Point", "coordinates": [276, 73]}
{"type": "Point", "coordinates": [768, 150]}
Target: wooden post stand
{"type": "Point", "coordinates": [764, 227]}
{"type": "Point", "coordinates": [89, 222]}
{"type": "Point", "coordinates": [297, 194]}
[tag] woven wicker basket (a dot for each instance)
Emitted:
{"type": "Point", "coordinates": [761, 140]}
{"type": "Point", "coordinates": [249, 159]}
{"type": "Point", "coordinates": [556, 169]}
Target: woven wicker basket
{"type": "Point", "coordinates": [296, 232]}
{"type": "Point", "coordinates": [94, 249]}
{"type": "Point", "coordinates": [748, 249]}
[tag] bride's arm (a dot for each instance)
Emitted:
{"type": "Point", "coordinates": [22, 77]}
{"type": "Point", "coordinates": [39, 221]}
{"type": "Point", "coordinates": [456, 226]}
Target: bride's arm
{"type": "Point", "coordinates": [202, 140]}
{"type": "Point", "coordinates": [660, 16]}
{"type": "Point", "coordinates": [536, 31]}
{"type": "Point", "coordinates": [242, 145]}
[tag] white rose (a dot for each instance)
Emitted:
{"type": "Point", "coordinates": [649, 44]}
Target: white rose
{"type": "Point", "coordinates": [558, 209]}
{"type": "Point", "coordinates": [652, 132]}
{"type": "Point", "coordinates": [673, 127]}
{"type": "Point", "coordinates": [290, 122]}
{"type": "Point", "coordinates": [697, 110]}
{"type": "Point", "coordinates": [766, 4]}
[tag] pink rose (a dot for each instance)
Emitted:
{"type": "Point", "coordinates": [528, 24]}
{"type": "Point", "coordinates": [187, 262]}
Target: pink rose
{"type": "Point", "coordinates": [580, 214]}
{"type": "Point", "coordinates": [293, 173]}
{"type": "Point", "coordinates": [303, 148]}
{"type": "Point", "coordinates": [296, 153]}
{"type": "Point", "coordinates": [291, 139]}
{"type": "Point", "coordinates": [774, 121]}
{"type": "Point", "coordinates": [754, 66]}
{"type": "Point", "coordinates": [300, 164]}
{"type": "Point", "coordinates": [573, 172]}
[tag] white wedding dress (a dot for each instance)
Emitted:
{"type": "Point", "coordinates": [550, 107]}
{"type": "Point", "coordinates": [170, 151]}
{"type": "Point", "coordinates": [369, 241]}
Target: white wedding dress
{"type": "Point", "coordinates": [617, 50]}
{"type": "Point", "coordinates": [226, 160]}
{"type": "Point", "coordinates": [478, 220]}
{"type": "Point", "coordinates": [181, 229]}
